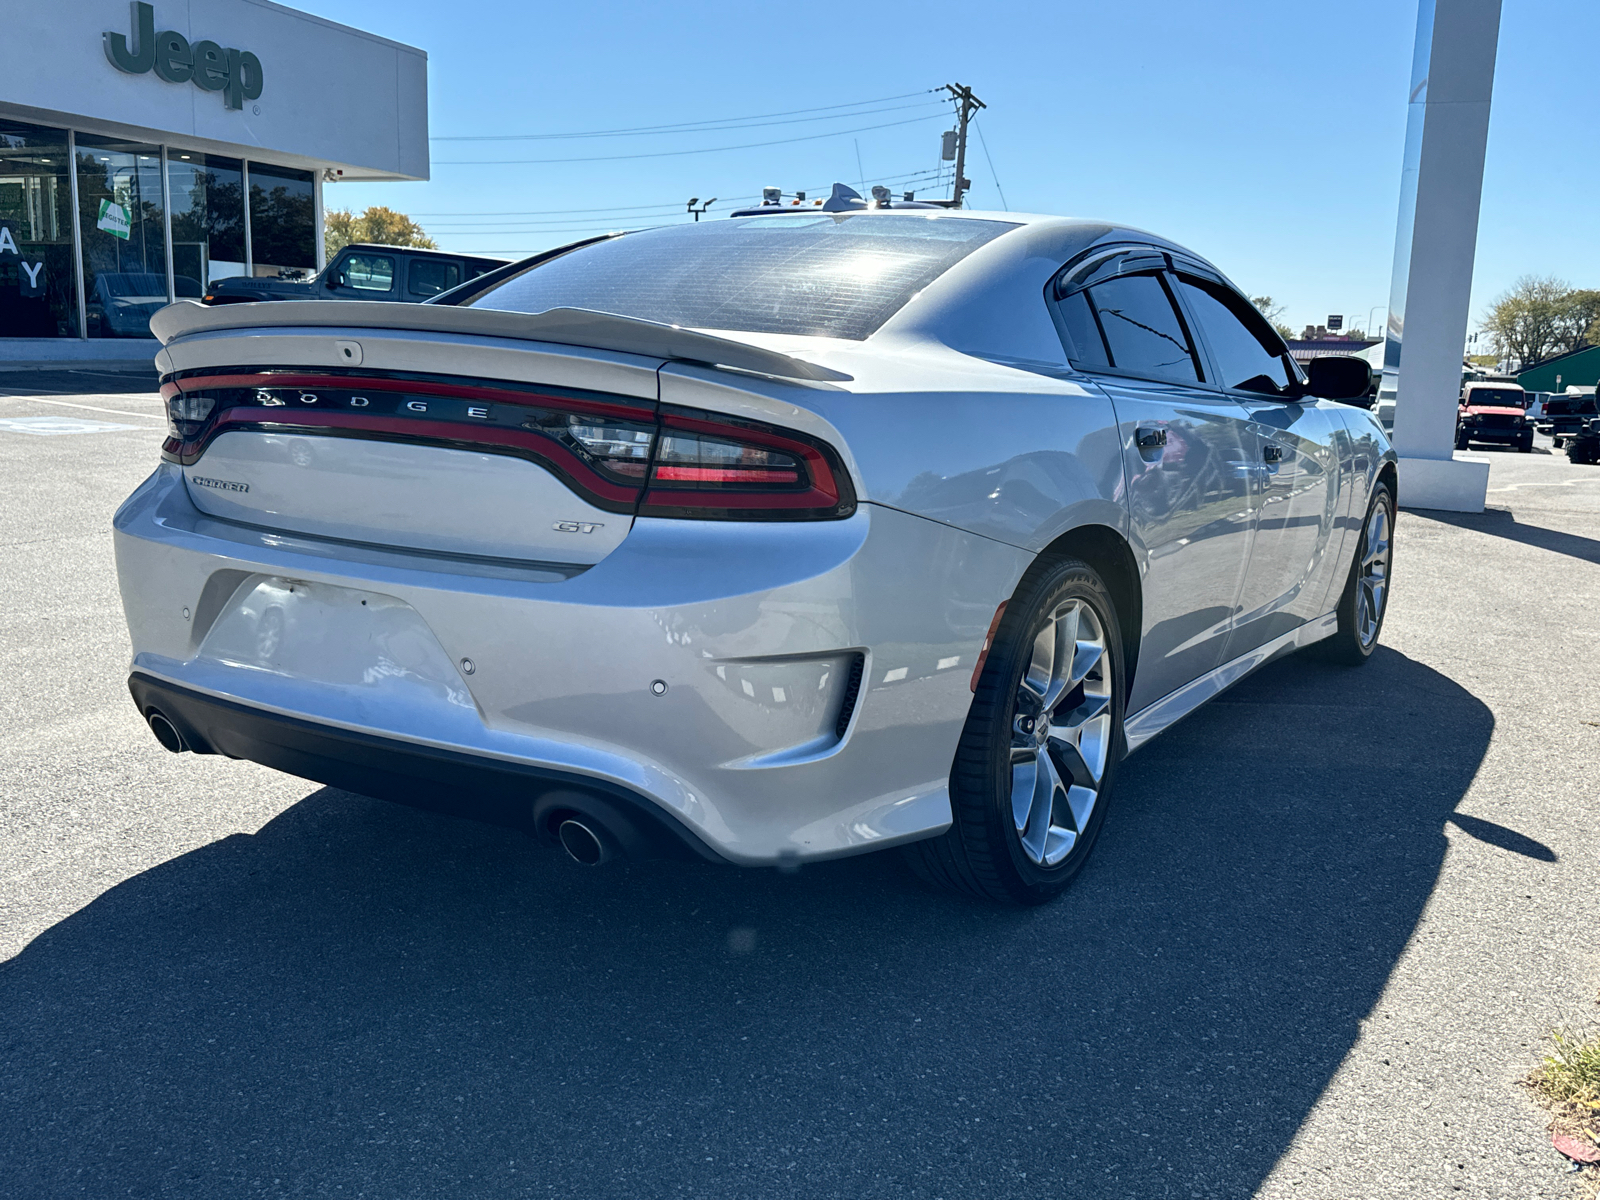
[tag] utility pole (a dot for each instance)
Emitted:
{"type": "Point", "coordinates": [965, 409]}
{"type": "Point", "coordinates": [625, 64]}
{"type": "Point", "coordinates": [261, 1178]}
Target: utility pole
{"type": "Point", "coordinates": [966, 106]}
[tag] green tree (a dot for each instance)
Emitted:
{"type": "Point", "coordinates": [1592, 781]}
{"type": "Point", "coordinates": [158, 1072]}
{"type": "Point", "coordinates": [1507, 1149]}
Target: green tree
{"type": "Point", "coordinates": [1580, 319]}
{"type": "Point", "coordinates": [1531, 321]}
{"type": "Point", "coordinates": [1272, 312]}
{"type": "Point", "coordinates": [377, 224]}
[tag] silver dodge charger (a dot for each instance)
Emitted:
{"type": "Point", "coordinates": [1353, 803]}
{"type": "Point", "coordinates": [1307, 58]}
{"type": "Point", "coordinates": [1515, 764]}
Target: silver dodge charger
{"type": "Point", "coordinates": [763, 540]}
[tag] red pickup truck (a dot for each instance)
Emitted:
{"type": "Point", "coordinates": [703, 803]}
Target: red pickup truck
{"type": "Point", "coordinates": [1494, 413]}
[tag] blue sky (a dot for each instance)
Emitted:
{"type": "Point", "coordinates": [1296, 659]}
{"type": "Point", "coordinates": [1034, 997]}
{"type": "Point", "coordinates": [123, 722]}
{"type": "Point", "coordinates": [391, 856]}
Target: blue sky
{"type": "Point", "coordinates": [1265, 135]}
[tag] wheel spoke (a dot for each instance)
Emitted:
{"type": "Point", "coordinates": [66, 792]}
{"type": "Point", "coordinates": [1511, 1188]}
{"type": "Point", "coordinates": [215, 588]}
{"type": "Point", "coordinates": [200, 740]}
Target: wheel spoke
{"type": "Point", "coordinates": [1081, 801]}
{"type": "Point", "coordinates": [1024, 780]}
{"type": "Point", "coordinates": [1064, 651]}
{"type": "Point", "coordinates": [1069, 754]}
{"type": "Point", "coordinates": [1085, 657]}
{"type": "Point", "coordinates": [1048, 785]}
{"type": "Point", "coordinates": [1041, 666]}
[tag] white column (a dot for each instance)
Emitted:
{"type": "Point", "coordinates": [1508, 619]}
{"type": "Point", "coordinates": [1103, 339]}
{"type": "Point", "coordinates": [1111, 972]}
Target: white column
{"type": "Point", "coordinates": [320, 218]}
{"type": "Point", "coordinates": [1447, 128]}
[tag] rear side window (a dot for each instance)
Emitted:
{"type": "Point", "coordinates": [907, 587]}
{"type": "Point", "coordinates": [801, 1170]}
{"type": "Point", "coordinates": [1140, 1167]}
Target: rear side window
{"type": "Point", "coordinates": [1086, 345]}
{"type": "Point", "coordinates": [430, 276]}
{"type": "Point", "coordinates": [816, 275]}
{"type": "Point", "coordinates": [1249, 355]}
{"type": "Point", "coordinates": [1143, 334]}
{"type": "Point", "coordinates": [369, 272]}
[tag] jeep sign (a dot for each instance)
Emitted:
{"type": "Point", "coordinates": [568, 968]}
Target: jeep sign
{"type": "Point", "coordinates": [210, 67]}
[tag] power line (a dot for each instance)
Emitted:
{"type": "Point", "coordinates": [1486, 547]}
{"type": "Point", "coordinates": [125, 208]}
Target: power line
{"type": "Point", "coordinates": [984, 143]}
{"type": "Point", "coordinates": [549, 211]}
{"type": "Point", "coordinates": [684, 125]}
{"type": "Point", "coordinates": [641, 213]}
{"type": "Point", "coordinates": [705, 127]}
{"type": "Point", "coordinates": [517, 162]}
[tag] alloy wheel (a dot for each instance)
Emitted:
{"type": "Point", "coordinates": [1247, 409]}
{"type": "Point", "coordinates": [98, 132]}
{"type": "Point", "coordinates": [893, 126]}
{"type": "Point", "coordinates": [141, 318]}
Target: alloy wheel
{"type": "Point", "coordinates": [1060, 733]}
{"type": "Point", "coordinates": [1373, 580]}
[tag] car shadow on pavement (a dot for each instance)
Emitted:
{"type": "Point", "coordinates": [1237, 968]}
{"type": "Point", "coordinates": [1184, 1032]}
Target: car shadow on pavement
{"type": "Point", "coordinates": [1498, 522]}
{"type": "Point", "coordinates": [363, 999]}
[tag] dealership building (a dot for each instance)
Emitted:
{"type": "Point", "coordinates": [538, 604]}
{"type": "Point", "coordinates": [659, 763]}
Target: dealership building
{"type": "Point", "coordinates": [148, 149]}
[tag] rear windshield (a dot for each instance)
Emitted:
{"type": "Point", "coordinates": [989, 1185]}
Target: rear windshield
{"type": "Point", "coordinates": [1498, 397]}
{"type": "Point", "coordinates": [815, 275]}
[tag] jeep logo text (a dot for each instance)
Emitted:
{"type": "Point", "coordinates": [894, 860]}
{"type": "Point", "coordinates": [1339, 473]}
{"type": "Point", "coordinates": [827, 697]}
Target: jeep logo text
{"type": "Point", "coordinates": [210, 67]}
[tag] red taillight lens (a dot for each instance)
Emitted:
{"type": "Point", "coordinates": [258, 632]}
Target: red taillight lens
{"type": "Point", "coordinates": [716, 462]}
{"type": "Point", "coordinates": [710, 466]}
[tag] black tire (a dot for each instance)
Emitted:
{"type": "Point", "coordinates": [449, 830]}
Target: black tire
{"type": "Point", "coordinates": [1462, 441]}
{"type": "Point", "coordinates": [1525, 446]}
{"type": "Point", "coordinates": [982, 853]}
{"type": "Point", "coordinates": [1347, 647]}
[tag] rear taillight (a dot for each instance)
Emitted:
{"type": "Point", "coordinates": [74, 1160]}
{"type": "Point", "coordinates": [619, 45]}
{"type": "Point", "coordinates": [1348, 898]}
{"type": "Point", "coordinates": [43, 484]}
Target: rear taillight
{"type": "Point", "coordinates": [621, 455]}
{"type": "Point", "coordinates": [711, 466]}
{"type": "Point", "coordinates": [187, 413]}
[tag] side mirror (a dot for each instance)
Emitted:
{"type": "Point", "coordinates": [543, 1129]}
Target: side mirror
{"type": "Point", "coordinates": [1338, 377]}
{"type": "Point", "coordinates": [336, 280]}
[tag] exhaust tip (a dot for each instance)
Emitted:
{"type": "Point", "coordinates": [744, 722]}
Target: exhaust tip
{"type": "Point", "coordinates": [166, 733]}
{"type": "Point", "coordinates": [581, 843]}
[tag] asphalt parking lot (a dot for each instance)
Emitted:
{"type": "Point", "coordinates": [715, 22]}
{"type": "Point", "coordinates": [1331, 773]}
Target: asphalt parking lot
{"type": "Point", "coordinates": [1330, 919]}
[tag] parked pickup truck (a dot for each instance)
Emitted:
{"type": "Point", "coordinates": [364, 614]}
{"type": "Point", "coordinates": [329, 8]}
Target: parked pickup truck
{"type": "Point", "coordinates": [362, 271]}
{"type": "Point", "coordinates": [1584, 445]}
{"type": "Point", "coordinates": [1564, 416]}
{"type": "Point", "coordinates": [1494, 413]}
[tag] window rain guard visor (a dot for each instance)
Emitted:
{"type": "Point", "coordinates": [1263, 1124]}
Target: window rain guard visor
{"type": "Point", "coordinates": [811, 275]}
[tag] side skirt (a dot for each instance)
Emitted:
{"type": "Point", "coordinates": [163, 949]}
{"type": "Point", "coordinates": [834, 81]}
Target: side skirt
{"type": "Point", "coordinates": [1173, 707]}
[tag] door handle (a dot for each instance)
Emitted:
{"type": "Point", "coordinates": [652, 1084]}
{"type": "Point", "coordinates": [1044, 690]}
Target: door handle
{"type": "Point", "coordinates": [1148, 437]}
{"type": "Point", "coordinates": [1271, 453]}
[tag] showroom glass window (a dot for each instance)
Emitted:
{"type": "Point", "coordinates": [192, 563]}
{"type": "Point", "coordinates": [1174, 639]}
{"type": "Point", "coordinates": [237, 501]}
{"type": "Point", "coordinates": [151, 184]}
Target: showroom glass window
{"type": "Point", "coordinates": [38, 286]}
{"type": "Point", "coordinates": [207, 196]}
{"type": "Point", "coordinates": [283, 222]}
{"type": "Point", "coordinates": [124, 235]}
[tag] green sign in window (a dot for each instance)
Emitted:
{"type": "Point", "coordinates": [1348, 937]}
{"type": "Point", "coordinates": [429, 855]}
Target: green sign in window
{"type": "Point", "coordinates": [114, 219]}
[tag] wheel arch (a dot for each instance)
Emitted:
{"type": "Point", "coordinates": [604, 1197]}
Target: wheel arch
{"type": "Point", "coordinates": [1108, 552]}
{"type": "Point", "coordinates": [1389, 473]}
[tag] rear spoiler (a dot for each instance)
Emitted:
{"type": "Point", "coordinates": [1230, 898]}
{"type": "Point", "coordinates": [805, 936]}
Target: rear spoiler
{"type": "Point", "coordinates": [565, 326]}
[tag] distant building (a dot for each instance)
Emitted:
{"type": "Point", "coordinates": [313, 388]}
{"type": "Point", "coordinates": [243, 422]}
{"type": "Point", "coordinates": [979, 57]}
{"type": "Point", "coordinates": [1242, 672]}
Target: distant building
{"type": "Point", "coordinates": [1577, 368]}
{"type": "Point", "coordinates": [1318, 343]}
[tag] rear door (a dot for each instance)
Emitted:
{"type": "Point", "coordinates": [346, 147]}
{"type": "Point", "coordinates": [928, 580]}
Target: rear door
{"type": "Point", "coordinates": [427, 276]}
{"type": "Point", "coordinates": [1187, 474]}
{"type": "Point", "coordinates": [1292, 448]}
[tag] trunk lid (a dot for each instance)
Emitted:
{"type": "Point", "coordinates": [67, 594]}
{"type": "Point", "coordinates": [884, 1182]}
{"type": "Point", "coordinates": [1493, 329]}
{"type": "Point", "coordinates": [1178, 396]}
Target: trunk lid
{"type": "Point", "coordinates": [543, 462]}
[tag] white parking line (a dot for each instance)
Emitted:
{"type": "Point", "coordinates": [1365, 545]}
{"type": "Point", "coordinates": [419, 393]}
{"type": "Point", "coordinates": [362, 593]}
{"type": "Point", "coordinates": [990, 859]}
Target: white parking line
{"type": "Point", "coordinates": [55, 426]}
{"type": "Point", "coordinates": [121, 412]}
{"type": "Point", "coordinates": [1511, 487]}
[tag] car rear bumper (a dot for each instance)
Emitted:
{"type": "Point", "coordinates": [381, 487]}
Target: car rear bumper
{"type": "Point", "coordinates": [426, 776]}
{"type": "Point", "coordinates": [412, 675]}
